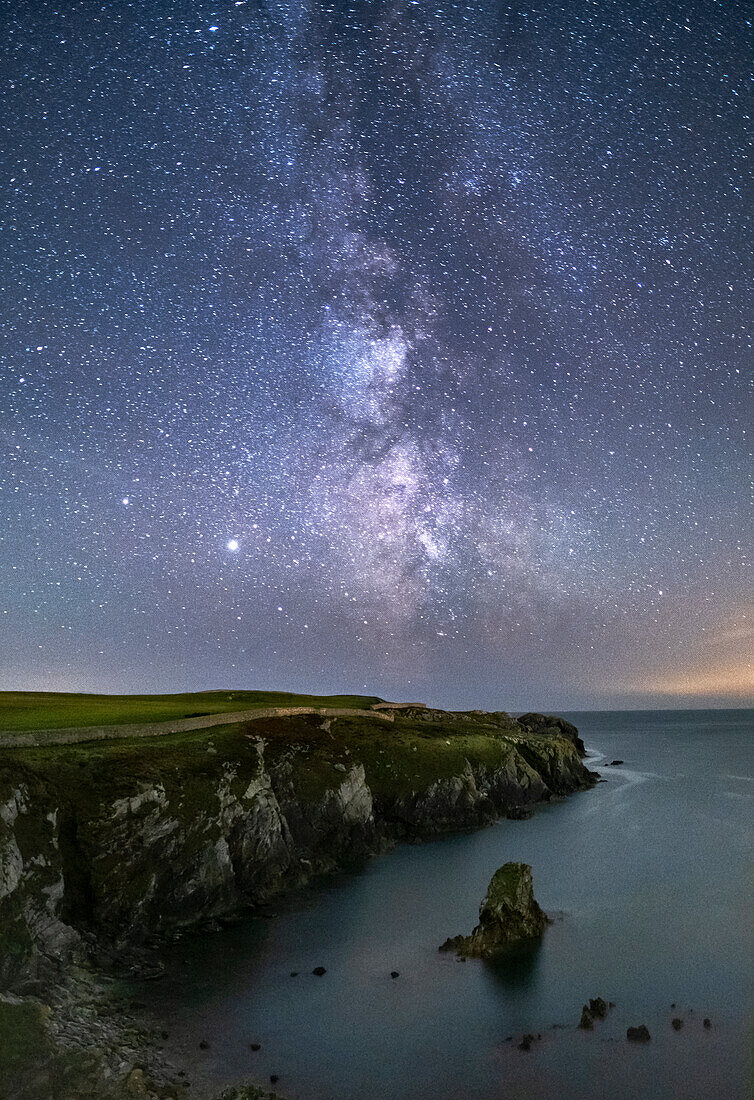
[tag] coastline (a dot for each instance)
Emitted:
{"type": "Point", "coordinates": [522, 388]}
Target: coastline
{"type": "Point", "coordinates": [119, 857]}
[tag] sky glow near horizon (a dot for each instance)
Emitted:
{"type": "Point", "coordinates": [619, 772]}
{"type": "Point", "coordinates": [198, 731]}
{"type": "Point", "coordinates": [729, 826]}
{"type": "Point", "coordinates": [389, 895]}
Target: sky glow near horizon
{"type": "Point", "coordinates": [387, 347]}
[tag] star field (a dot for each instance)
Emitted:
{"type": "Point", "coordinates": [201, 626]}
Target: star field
{"type": "Point", "coordinates": [385, 346]}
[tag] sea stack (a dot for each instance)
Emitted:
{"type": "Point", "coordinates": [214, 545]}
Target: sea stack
{"type": "Point", "coordinates": [508, 915]}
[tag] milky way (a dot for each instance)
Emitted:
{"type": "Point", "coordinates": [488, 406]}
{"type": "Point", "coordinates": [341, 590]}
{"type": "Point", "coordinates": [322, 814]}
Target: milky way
{"type": "Point", "coordinates": [388, 346]}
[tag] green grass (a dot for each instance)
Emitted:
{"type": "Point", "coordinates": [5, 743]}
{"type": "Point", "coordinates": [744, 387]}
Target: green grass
{"type": "Point", "coordinates": [23, 1036]}
{"type": "Point", "coordinates": [398, 757]}
{"type": "Point", "coordinates": [34, 710]}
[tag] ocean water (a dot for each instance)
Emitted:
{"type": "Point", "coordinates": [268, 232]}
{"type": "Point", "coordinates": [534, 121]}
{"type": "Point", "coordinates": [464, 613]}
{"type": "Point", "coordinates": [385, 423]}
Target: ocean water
{"type": "Point", "coordinates": [649, 879]}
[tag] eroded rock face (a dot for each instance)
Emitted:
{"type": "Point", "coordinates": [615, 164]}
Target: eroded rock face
{"type": "Point", "coordinates": [554, 725]}
{"type": "Point", "coordinates": [508, 915]}
{"type": "Point", "coordinates": [119, 848]}
{"type": "Point", "coordinates": [33, 937]}
{"type": "Point", "coordinates": [164, 856]}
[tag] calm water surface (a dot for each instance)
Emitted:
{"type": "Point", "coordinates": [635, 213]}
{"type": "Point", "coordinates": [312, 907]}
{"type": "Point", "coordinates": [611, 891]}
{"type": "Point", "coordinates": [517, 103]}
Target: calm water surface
{"type": "Point", "coordinates": [650, 876]}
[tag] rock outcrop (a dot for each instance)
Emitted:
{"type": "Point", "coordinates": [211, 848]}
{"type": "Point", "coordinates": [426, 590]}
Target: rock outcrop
{"type": "Point", "coordinates": [106, 845]}
{"type": "Point", "coordinates": [508, 915]}
{"type": "Point", "coordinates": [116, 842]}
{"type": "Point", "coordinates": [638, 1034]}
{"type": "Point", "coordinates": [554, 726]}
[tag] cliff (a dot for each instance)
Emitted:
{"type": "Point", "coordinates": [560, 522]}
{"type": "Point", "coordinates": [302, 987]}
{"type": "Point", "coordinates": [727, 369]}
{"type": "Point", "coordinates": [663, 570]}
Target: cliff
{"type": "Point", "coordinates": [104, 845]}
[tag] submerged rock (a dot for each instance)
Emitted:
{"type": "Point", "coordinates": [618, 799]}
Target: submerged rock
{"type": "Point", "coordinates": [508, 915]}
{"type": "Point", "coordinates": [638, 1034]}
{"type": "Point", "coordinates": [597, 1009]}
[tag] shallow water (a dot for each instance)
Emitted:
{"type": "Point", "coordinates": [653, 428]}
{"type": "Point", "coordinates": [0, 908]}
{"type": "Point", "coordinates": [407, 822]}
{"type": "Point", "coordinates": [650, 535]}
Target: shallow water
{"type": "Point", "coordinates": [649, 876]}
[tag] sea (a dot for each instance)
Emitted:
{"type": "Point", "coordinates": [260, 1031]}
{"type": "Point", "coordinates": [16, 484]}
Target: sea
{"type": "Point", "coordinates": [648, 879]}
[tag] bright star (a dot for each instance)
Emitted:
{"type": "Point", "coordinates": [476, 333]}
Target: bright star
{"type": "Point", "coordinates": [232, 544]}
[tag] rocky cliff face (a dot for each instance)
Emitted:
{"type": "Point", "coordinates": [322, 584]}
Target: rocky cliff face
{"type": "Point", "coordinates": [120, 843]}
{"type": "Point", "coordinates": [552, 724]}
{"type": "Point", "coordinates": [508, 915]}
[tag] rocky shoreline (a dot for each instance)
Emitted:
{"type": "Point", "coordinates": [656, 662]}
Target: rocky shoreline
{"type": "Point", "coordinates": [106, 849]}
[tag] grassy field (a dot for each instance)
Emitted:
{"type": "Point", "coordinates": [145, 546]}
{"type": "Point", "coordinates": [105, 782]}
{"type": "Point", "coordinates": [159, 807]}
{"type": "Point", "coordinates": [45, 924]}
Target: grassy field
{"type": "Point", "coordinates": [34, 710]}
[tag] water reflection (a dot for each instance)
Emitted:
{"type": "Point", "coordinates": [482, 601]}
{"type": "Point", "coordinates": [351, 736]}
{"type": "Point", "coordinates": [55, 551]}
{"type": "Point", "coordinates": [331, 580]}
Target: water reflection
{"type": "Point", "coordinates": [515, 970]}
{"type": "Point", "coordinates": [649, 884]}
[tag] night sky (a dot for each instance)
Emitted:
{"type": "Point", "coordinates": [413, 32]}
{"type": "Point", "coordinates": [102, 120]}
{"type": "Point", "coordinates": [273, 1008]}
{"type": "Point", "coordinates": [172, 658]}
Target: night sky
{"type": "Point", "coordinates": [398, 347]}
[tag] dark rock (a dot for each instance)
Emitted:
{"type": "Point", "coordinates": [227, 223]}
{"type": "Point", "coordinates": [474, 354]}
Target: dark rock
{"type": "Point", "coordinates": [163, 1034]}
{"type": "Point", "coordinates": [203, 1045]}
{"type": "Point", "coordinates": [586, 1023]}
{"type": "Point", "coordinates": [519, 813]}
{"type": "Point", "coordinates": [707, 1022]}
{"type": "Point", "coordinates": [394, 973]}
{"type": "Point", "coordinates": [274, 1077]}
{"type": "Point", "coordinates": [255, 1046]}
{"type": "Point", "coordinates": [221, 855]}
{"type": "Point", "coordinates": [677, 1024]}
{"type": "Point", "coordinates": [319, 971]}
{"type": "Point", "coordinates": [526, 1042]}
{"type": "Point", "coordinates": [453, 943]}
{"type": "Point", "coordinates": [508, 915]}
{"type": "Point", "coordinates": [598, 1008]}
{"type": "Point", "coordinates": [615, 763]}
{"type": "Point", "coordinates": [638, 1034]}
{"type": "Point", "coordinates": [554, 726]}
{"type": "Point", "coordinates": [294, 973]}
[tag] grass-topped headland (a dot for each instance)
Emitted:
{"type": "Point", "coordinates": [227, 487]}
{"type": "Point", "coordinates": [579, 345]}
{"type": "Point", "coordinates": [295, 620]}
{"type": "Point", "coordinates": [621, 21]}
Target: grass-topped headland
{"type": "Point", "coordinates": [135, 832]}
{"type": "Point", "coordinates": [167, 821]}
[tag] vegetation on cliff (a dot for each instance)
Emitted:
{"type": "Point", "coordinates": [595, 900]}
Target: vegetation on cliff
{"type": "Point", "coordinates": [508, 915]}
{"type": "Point", "coordinates": [106, 843]}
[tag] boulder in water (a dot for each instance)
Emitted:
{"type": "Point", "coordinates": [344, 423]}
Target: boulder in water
{"type": "Point", "coordinates": [638, 1034]}
{"type": "Point", "coordinates": [508, 915]}
{"type": "Point", "coordinates": [598, 1007]}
